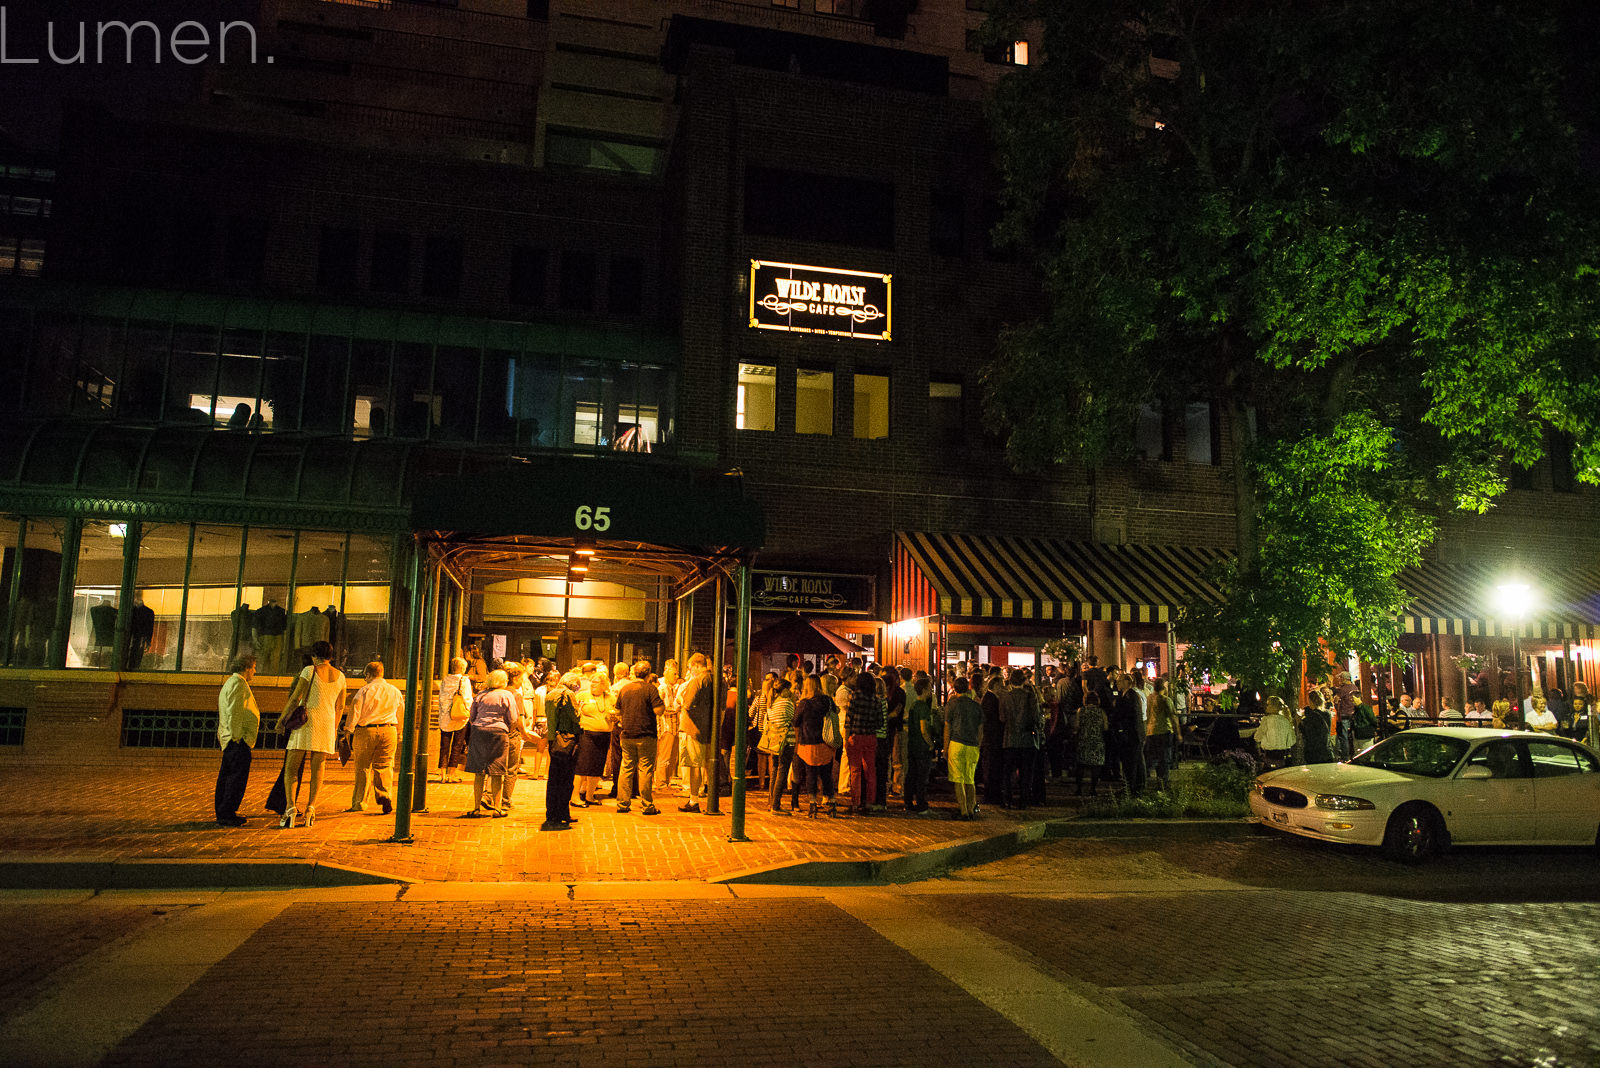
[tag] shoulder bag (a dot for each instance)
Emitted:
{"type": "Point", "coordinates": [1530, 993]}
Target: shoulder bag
{"type": "Point", "coordinates": [460, 711]}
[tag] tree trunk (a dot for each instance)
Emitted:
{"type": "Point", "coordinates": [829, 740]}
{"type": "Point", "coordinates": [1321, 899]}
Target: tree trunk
{"type": "Point", "coordinates": [1237, 415]}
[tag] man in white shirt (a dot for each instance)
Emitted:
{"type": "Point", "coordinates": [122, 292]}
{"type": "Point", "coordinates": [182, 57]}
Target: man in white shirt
{"type": "Point", "coordinates": [374, 720]}
{"type": "Point", "coordinates": [238, 723]}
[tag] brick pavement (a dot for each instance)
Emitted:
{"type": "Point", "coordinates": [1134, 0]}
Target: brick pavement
{"type": "Point", "coordinates": [147, 813]}
{"type": "Point", "coordinates": [691, 983]}
{"type": "Point", "coordinates": [1319, 979]}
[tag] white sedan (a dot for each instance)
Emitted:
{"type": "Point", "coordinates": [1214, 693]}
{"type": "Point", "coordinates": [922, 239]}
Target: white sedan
{"type": "Point", "coordinates": [1421, 790]}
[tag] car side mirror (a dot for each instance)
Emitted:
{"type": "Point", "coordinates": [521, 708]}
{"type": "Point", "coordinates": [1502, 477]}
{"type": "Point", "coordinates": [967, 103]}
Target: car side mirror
{"type": "Point", "coordinates": [1477, 771]}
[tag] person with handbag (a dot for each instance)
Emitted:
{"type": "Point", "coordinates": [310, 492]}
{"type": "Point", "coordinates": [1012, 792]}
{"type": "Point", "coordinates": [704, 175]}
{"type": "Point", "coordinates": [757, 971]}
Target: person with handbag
{"type": "Point", "coordinates": [778, 741]}
{"type": "Point", "coordinates": [561, 719]}
{"type": "Point", "coordinates": [813, 718]}
{"type": "Point", "coordinates": [597, 714]}
{"type": "Point", "coordinates": [494, 718]}
{"type": "Point", "coordinates": [455, 709]}
{"type": "Point", "coordinates": [311, 718]}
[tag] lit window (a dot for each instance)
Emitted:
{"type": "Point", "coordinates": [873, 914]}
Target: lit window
{"type": "Point", "coordinates": [793, 4]}
{"type": "Point", "coordinates": [813, 402]}
{"type": "Point", "coordinates": [872, 406]}
{"type": "Point", "coordinates": [1019, 53]}
{"type": "Point", "coordinates": [758, 397]}
{"type": "Point", "coordinates": [946, 427]}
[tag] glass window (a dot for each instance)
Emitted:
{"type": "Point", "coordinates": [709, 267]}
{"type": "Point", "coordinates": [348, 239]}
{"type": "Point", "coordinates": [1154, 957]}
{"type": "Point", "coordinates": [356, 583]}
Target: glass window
{"type": "Point", "coordinates": [37, 592]}
{"type": "Point", "coordinates": [391, 262]}
{"type": "Point", "coordinates": [238, 402]}
{"type": "Point", "coordinates": [1150, 433]}
{"type": "Point", "coordinates": [526, 283]}
{"type": "Point", "coordinates": [145, 369]}
{"type": "Point", "coordinates": [216, 625]}
{"type": "Point", "coordinates": [756, 406]}
{"type": "Point", "coordinates": [1551, 759]}
{"type": "Point", "coordinates": [96, 586]}
{"type": "Point", "coordinates": [283, 368]}
{"type": "Point", "coordinates": [415, 407]}
{"type": "Point", "coordinates": [441, 267]}
{"type": "Point", "coordinates": [97, 368]}
{"type": "Point", "coordinates": [10, 547]}
{"type": "Point", "coordinates": [157, 597]}
{"type": "Point", "coordinates": [369, 388]}
{"type": "Point", "coordinates": [577, 280]}
{"type": "Point", "coordinates": [318, 581]}
{"type": "Point", "coordinates": [268, 559]}
{"type": "Point", "coordinates": [363, 623]}
{"type": "Point", "coordinates": [192, 375]}
{"type": "Point", "coordinates": [455, 389]}
{"type": "Point", "coordinates": [872, 406]}
{"type": "Point", "coordinates": [625, 285]}
{"type": "Point", "coordinates": [1199, 430]}
{"type": "Point", "coordinates": [946, 414]}
{"type": "Point", "coordinates": [589, 402]}
{"type": "Point", "coordinates": [338, 254]}
{"type": "Point", "coordinates": [813, 402]}
{"type": "Point", "coordinates": [644, 407]}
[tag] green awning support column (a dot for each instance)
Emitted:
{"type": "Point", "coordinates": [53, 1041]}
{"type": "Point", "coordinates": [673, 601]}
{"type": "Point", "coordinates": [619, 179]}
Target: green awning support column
{"type": "Point", "coordinates": [719, 700]}
{"type": "Point", "coordinates": [433, 577]}
{"type": "Point", "coordinates": [408, 731]}
{"type": "Point", "coordinates": [62, 631]}
{"type": "Point", "coordinates": [121, 640]}
{"type": "Point", "coordinates": [741, 652]}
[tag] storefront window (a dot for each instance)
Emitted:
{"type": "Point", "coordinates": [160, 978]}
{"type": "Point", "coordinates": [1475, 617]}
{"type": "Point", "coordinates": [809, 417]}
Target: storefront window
{"type": "Point", "coordinates": [364, 615]}
{"type": "Point", "coordinates": [268, 559]}
{"type": "Point", "coordinates": [588, 397]}
{"type": "Point", "coordinates": [755, 407]}
{"type": "Point", "coordinates": [216, 624]}
{"type": "Point", "coordinates": [372, 413]}
{"type": "Point", "coordinates": [37, 589]}
{"type": "Point", "coordinates": [96, 585]}
{"type": "Point", "coordinates": [314, 614]}
{"type": "Point", "coordinates": [813, 402]}
{"type": "Point", "coordinates": [157, 596]}
{"type": "Point", "coordinates": [872, 406]}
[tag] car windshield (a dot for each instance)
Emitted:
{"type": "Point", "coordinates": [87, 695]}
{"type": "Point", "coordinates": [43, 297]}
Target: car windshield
{"type": "Point", "coordinates": [1414, 753]}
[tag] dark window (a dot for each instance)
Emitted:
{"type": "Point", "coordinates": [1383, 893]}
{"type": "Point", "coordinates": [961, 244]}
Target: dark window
{"type": "Point", "coordinates": [13, 721]}
{"type": "Point", "coordinates": [625, 287]}
{"type": "Point", "coordinates": [244, 253]}
{"type": "Point", "coordinates": [527, 282]}
{"type": "Point", "coordinates": [441, 267]}
{"type": "Point", "coordinates": [1202, 443]}
{"type": "Point", "coordinates": [192, 246]}
{"type": "Point", "coordinates": [337, 255]}
{"type": "Point", "coordinates": [539, 9]}
{"type": "Point", "coordinates": [1153, 433]}
{"type": "Point", "coordinates": [391, 262]}
{"type": "Point", "coordinates": [1563, 478]}
{"type": "Point", "coordinates": [577, 280]}
{"type": "Point", "coordinates": [818, 207]}
{"type": "Point", "coordinates": [947, 224]}
{"type": "Point", "coordinates": [946, 414]}
{"type": "Point", "coordinates": [151, 728]}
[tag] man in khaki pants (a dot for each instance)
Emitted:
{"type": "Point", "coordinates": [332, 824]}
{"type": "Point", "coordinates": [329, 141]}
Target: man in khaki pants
{"type": "Point", "coordinates": [374, 720]}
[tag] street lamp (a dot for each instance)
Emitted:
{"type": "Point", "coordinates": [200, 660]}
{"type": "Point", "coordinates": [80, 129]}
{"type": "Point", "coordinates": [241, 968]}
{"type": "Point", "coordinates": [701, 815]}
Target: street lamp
{"type": "Point", "coordinates": [1513, 599]}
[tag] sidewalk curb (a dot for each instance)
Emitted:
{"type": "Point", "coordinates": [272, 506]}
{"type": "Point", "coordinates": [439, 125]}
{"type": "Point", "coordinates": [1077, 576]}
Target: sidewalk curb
{"type": "Point", "coordinates": [895, 867]}
{"type": "Point", "coordinates": [1080, 827]}
{"type": "Point", "coordinates": [72, 874]}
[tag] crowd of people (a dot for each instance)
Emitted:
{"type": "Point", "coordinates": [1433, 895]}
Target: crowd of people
{"type": "Point", "coordinates": [845, 734]}
{"type": "Point", "coordinates": [841, 735]}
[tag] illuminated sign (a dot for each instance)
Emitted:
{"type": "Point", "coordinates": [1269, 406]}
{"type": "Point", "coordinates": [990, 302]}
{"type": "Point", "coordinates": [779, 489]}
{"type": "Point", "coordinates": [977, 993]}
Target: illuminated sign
{"type": "Point", "coordinates": [819, 300]}
{"type": "Point", "coordinates": [804, 591]}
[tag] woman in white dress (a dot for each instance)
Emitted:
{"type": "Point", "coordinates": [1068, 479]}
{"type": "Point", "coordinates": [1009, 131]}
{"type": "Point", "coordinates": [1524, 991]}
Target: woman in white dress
{"type": "Point", "coordinates": [321, 687]}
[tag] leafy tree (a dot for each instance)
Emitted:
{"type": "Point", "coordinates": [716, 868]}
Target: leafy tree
{"type": "Point", "coordinates": [1359, 227]}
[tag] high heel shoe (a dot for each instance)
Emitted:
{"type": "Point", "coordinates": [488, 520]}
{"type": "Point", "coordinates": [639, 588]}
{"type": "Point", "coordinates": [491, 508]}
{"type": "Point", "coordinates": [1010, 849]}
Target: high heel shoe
{"type": "Point", "coordinates": [287, 820]}
{"type": "Point", "coordinates": [311, 816]}
{"type": "Point", "coordinates": [811, 812]}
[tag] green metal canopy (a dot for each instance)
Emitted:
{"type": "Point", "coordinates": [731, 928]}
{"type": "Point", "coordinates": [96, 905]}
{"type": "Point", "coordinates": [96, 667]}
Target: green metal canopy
{"type": "Point", "coordinates": [609, 501]}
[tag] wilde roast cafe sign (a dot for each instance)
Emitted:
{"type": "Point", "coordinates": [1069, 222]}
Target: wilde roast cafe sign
{"type": "Point", "coordinates": [819, 300]}
{"type": "Point", "coordinates": [794, 591]}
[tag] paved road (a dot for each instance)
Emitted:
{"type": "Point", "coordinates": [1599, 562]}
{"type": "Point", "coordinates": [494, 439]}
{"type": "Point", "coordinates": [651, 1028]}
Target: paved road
{"type": "Point", "coordinates": [1137, 952]}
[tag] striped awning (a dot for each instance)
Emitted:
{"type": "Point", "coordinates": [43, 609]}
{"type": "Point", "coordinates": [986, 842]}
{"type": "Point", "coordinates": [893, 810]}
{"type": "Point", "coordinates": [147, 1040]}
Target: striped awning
{"type": "Point", "coordinates": [996, 577]}
{"type": "Point", "coordinates": [1459, 599]}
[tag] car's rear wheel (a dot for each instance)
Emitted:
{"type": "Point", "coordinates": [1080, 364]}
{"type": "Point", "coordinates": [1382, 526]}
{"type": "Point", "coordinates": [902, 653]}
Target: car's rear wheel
{"type": "Point", "coordinates": [1413, 835]}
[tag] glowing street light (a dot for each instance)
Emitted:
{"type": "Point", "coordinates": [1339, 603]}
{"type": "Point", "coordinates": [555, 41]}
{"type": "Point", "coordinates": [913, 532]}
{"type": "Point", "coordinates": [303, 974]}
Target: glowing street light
{"type": "Point", "coordinates": [1513, 600]}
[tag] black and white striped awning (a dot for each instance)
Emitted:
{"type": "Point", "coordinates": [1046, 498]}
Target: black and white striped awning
{"type": "Point", "coordinates": [1460, 599]}
{"type": "Point", "coordinates": [996, 577]}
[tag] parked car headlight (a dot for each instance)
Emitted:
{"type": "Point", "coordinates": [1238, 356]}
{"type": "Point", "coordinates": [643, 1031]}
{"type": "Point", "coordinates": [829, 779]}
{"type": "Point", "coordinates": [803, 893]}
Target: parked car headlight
{"type": "Point", "coordinates": [1258, 787]}
{"type": "Point", "coordinates": [1341, 801]}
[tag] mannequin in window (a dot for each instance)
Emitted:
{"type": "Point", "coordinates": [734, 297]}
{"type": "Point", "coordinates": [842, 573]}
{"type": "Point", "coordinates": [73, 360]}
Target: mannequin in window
{"type": "Point", "coordinates": [241, 617]}
{"type": "Point", "coordinates": [331, 614]}
{"type": "Point", "coordinates": [141, 632]}
{"type": "Point", "coordinates": [310, 627]}
{"type": "Point", "coordinates": [269, 623]}
{"type": "Point", "coordinates": [102, 629]}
